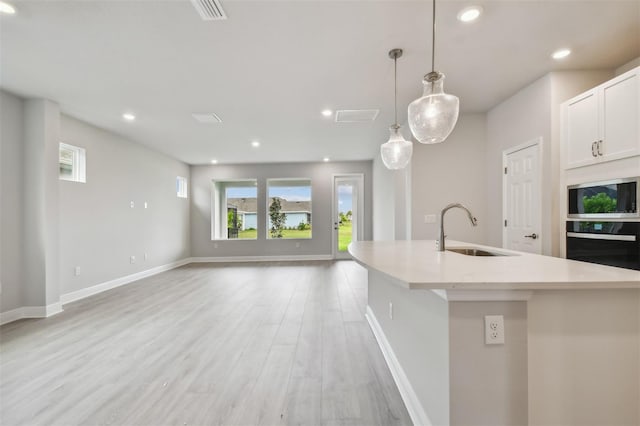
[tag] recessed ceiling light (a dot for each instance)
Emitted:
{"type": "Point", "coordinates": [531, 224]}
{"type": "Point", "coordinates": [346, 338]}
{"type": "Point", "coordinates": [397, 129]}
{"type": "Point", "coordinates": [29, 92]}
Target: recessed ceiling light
{"type": "Point", "coordinates": [469, 14]}
{"type": "Point", "coordinates": [255, 144]}
{"type": "Point", "coordinates": [7, 9]}
{"type": "Point", "coordinates": [128, 116]}
{"type": "Point", "coordinates": [325, 159]}
{"type": "Point", "coordinates": [561, 53]}
{"type": "Point", "coordinates": [214, 161]}
{"type": "Point", "coordinates": [327, 112]}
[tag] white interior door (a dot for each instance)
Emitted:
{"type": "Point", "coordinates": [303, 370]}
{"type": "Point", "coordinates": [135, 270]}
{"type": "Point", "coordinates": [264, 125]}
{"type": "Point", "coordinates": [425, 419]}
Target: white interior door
{"type": "Point", "coordinates": [347, 213]}
{"type": "Point", "coordinates": [522, 202]}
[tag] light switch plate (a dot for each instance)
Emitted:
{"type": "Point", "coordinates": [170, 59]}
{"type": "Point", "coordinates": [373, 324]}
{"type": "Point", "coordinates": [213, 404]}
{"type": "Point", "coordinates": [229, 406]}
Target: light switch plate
{"type": "Point", "coordinates": [429, 218]}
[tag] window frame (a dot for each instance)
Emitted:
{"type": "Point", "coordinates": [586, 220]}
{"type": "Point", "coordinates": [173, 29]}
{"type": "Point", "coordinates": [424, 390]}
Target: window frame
{"type": "Point", "coordinates": [219, 208]}
{"type": "Point", "coordinates": [308, 214]}
{"type": "Point", "coordinates": [78, 163]}
{"type": "Point", "coordinates": [182, 187]}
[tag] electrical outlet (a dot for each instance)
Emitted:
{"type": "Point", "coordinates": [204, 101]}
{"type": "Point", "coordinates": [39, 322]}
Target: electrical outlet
{"type": "Point", "coordinates": [297, 245]}
{"type": "Point", "coordinates": [215, 245]}
{"type": "Point", "coordinates": [132, 259]}
{"type": "Point", "coordinates": [146, 205]}
{"type": "Point", "coordinates": [76, 271]}
{"type": "Point", "coordinates": [494, 330]}
{"type": "Point", "coordinates": [146, 256]}
{"type": "Point", "coordinates": [132, 204]}
{"type": "Point", "coordinates": [429, 218]}
{"type": "Point", "coordinates": [390, 310]}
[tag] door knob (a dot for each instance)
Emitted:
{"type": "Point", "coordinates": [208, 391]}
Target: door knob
{"type": "Point", "coordinates": [532, 236]}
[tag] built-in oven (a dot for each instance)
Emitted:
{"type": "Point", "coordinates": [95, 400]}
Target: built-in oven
{"type": "Point", "coordinates": [614, 199]}
{"type": "Point", "coordinates": [603, 242]}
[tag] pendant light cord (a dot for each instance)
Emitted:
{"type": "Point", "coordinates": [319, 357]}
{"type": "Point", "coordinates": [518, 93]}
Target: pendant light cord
{"type": "Point", "coordinates": [433, 39]}
{"type": "Point", "coordinates": [395, 88]}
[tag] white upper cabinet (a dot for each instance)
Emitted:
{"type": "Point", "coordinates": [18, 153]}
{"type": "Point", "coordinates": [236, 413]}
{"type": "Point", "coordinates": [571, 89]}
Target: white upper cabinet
{"type": "Point", "coordinates": [581, 128]}
{"type": "Point", "coordinates": [603, 124]}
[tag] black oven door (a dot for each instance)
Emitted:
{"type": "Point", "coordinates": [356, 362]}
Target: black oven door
{"type": "Point", "coordinates": [606, 243]}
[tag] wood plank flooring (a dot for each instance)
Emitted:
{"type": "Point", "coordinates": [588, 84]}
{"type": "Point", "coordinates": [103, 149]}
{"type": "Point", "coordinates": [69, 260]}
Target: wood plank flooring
{"type": "Point", "coordinates": [206, 344]}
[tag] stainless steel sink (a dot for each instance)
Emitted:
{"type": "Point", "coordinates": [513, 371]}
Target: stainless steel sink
{"type": "Point", "coordinates": [470, 251]}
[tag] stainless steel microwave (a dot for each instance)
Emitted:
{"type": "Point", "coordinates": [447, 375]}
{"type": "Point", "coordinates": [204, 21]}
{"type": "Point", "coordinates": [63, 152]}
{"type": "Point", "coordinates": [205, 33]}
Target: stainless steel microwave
{"type": "Point", "coordinates": [613, 199]}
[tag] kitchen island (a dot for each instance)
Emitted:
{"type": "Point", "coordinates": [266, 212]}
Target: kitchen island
{"type": "Point", "coordinates": [572, 334]}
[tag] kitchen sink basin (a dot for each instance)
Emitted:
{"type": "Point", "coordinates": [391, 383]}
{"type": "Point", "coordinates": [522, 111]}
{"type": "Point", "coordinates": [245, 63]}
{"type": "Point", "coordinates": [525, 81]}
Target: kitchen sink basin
{"type": "Point", "coordinates": [470, 251]}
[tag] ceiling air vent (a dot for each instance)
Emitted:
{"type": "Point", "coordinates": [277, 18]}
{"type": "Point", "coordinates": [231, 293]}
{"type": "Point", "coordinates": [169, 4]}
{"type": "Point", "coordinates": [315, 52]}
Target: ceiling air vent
{"type": "Point", "coordinates": [206, 117]}
{"type": "Point", "coordinates": [356, 115]}
{"type": "Point", "coordinates": [209, 10]}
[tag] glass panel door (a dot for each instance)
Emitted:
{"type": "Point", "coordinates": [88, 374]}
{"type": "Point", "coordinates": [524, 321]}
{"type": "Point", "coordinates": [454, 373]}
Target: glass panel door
{"type": "Point", "coordinates": [346, 223]}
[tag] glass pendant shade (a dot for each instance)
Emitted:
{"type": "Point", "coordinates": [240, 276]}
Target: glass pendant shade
{"type": "Point", "coordinates": [433, 116]}
{"type": "Point", "coordinates": [396, 153]}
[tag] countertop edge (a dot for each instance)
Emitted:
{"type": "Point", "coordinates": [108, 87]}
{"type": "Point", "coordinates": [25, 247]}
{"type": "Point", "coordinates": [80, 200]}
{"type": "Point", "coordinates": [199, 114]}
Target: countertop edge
{"type": "Point", "coordinates": [403, 275]}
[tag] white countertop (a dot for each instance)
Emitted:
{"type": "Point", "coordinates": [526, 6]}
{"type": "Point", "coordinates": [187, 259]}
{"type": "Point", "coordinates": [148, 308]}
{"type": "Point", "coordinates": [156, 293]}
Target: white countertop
{"type": "Point", "coordinates": [421, 266]}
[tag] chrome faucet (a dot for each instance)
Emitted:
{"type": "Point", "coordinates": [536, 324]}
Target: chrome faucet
{"type": "Point", "coordinates": [472, 218]}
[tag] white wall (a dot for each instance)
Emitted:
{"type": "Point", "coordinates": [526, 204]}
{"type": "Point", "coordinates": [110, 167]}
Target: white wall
{"type": "Point", "coordinates": [99, 231]}
{"type": "Point", "coordinates": [402, 203]}
{"type": "Point", "coordinates": [531, 113]}
{"type": "Point", "coordinates": [321, 189]}
{"type": "Point", "coordinates": [383, 201]}
{"type": "Point", "coordinates": [41, 285]}
{"type": "Point", "coordinates": [391, 202]}
{"type": "Point", "coordinates": [453, 171]}
{"type": "Point", "coordinates": [519, 119]}
{"type": "Point", "coordinates": [11, 203]}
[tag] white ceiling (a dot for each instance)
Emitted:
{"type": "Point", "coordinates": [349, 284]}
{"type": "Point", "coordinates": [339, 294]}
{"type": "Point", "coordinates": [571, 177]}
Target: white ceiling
{"type": "Point", "coordinates": [272, 67]}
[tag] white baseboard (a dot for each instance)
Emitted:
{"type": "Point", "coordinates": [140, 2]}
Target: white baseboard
{"type": "Point", "coordinates": [52, 309]}
{"type": "Point", "coordinates": [416, 411]}
{"type": "Point", "coordinates": [10, 316]}
{"type": "Point", "coordinates": [99, 288]}
{"type": "Point", "coordinates": [30, 312]}
{"type": "Point", "coordinates": [285, 258]}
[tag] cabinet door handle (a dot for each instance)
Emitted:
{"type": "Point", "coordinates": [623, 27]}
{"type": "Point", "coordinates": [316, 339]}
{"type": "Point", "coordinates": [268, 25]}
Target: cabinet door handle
{"type": "Point", "coordinates": [593, 149]}
{"type": "Point", "coordinates": [599, 147]}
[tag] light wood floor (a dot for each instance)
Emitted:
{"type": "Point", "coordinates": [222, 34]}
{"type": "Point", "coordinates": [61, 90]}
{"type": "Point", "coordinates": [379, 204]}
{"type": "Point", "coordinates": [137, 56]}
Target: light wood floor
{"type": "Point", "coordinates": [246, 344]}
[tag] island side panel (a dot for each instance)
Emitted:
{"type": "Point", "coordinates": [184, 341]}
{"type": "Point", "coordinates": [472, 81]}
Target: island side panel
{"type": "Point", "coordinates": [488, 382]}
{"type": "Point", "coordinates": [584, 357]}
{"type": "Point", "coordinates": [419, 337]}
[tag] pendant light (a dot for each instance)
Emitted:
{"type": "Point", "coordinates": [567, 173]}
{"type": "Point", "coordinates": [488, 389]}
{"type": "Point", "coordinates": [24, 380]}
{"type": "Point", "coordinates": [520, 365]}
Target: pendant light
{"type": "Point", "coordinates": [396, 153]}
{"type": "Point", "coordinates": [433, 116]}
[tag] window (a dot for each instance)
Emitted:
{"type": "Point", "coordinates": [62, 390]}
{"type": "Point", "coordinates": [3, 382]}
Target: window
{"type": "Point", "coordinates": [289, 208]}
{"type": "Point", "coordinates": [72, 161]}
{"type": "Point", "coordinates": [181, 186]}
{"type": "Point", "coordinates": [235, 213]}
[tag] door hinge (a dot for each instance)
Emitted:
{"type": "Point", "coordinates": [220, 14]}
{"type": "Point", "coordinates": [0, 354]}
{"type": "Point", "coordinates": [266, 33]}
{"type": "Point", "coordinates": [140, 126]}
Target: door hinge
{"type": "Point", "coordinates": [505, 223]}
{"type": "Point", "coordinates": [505, 170]}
